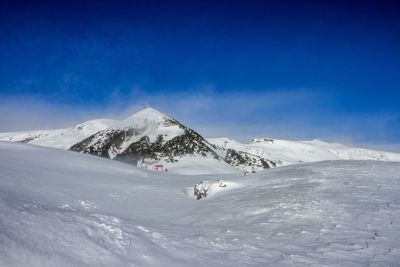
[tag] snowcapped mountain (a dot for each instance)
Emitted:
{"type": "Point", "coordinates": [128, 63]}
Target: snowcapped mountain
{"type": "Point", "coordinates": [147, 138]}
{"type": "Point", "coordinates": [150, 138]}
{"type": "Point", "coordinates": [146, 134]}
{"type": "Point", "coordinates": [62, 208]}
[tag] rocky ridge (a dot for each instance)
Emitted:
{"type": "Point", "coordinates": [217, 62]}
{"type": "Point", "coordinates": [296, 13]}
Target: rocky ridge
{"type": "Point", "coordinates": [150, 135]}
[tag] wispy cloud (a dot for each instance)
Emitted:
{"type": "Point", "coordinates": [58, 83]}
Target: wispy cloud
{"type": "Point", "coordinates": [292, 114]}
{"type": "Point", "coordinates": [26, 112]}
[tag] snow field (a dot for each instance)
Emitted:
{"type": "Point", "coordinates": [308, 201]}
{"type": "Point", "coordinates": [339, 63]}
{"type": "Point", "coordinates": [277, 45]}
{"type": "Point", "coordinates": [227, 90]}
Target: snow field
{"type": "Point", "coordinates": [60, 208]}
{"type": "Point", "coordinates": [286, 152]}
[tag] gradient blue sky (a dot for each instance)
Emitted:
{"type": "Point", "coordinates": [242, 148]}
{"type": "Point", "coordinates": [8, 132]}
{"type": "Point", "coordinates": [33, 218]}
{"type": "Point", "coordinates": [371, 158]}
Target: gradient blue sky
{"type": "Point", "coordinates": [289, 69]}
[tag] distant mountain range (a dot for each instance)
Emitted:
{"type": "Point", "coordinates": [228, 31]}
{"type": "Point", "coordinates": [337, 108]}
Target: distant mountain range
{"type": "Point", "coordinates": [150, 138]}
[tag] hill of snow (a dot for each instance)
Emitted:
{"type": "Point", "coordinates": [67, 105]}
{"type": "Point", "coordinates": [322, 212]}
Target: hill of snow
{"type": "Point", "coordinates": [61, 208]}
{"type": "Point", "coordinates": [285, 152]}
{"type": "Point", "coordinates": [146, 120]}
{"type": "Point", "coordinates": [150, 138]}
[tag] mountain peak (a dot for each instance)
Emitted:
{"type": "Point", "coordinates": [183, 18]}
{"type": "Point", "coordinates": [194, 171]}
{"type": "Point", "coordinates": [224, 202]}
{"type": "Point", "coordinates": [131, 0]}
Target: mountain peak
{"type": "Point", "coordinates": [149, 114]}
{"type": "Point", "coordinates": [149, 110]}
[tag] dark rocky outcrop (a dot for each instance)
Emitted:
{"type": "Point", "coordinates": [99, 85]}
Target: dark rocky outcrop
{"type": "Point", "coordinates": [241, 158]}
{"type": "Point", "coordinates": [110, 143]}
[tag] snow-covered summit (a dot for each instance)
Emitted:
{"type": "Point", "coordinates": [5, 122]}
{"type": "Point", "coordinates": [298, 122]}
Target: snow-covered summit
{"type": "Point", "coordinates": [147, 114]}
{"type": "Point", "coordinates": [151, 137]}
{"type": "Point", "coordinates": [148, 138]}
{"type": "Point", "coordinates": [67, 137]}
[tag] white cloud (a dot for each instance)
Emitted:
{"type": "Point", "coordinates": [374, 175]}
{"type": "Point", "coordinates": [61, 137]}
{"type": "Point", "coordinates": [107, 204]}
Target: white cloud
{"type": "Point", "coordinates": [28, 112]}
{"type": "Point", "coordinates": [292, 114]}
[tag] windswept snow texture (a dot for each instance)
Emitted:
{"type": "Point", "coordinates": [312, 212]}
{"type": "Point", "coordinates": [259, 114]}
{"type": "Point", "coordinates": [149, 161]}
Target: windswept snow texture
{"type": "Point", "coordinates": [60, 208]}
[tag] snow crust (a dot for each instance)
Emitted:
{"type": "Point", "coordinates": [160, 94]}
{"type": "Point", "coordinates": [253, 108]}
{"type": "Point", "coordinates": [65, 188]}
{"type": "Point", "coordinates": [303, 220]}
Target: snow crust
{"type": "Point", "coordinates": [60, 208]}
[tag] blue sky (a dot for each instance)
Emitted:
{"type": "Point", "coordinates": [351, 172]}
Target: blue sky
{"type": "Point", "coordinates": [289, 69]}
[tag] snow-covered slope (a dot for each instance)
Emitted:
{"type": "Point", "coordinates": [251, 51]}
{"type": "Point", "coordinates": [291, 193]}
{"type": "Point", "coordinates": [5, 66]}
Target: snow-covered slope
{"type": "Point", "coordinates": [147, 133]}
{"type": "Point", "coordinates": [60, 138]}
{"type": "Point", "coordinates": [60, 208]}
{"type": "Point", "coordinates": [148, 139]}
{"type": "Point", "coordinates": [285, 152]}
{"type": "Point", "coordinates": [146, 121]}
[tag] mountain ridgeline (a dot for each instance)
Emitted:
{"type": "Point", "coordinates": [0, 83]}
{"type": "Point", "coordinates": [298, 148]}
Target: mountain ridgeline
{"type": "Point", "coordinates": [150, 139]}
{"type": "Point", "coordinates": [152, 136]}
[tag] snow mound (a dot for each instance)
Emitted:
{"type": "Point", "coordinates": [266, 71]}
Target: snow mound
{"type": "Point", "coordinates": [60, 208]}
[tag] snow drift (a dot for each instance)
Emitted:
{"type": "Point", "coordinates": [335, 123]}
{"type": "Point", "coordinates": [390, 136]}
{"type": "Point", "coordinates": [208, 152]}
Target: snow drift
{"type": "Point", "coordinates": [61, 208]}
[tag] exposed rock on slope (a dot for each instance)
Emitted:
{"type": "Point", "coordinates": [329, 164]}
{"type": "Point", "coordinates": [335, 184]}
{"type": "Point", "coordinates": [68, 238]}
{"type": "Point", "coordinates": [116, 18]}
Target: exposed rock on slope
{"type": "Point", "coordinates": [152, 135]}
{"type": "Point", "coordinates": [151, 138]}
{"type": "Point", "coordinates": [241, 158]}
